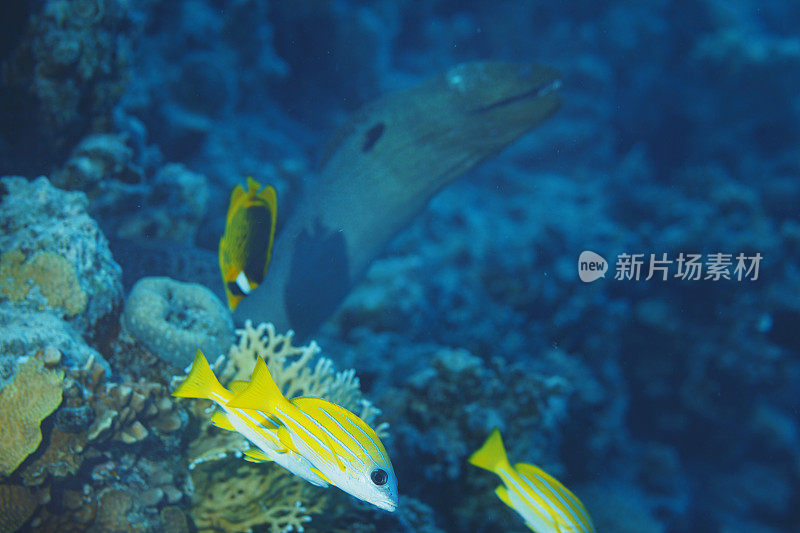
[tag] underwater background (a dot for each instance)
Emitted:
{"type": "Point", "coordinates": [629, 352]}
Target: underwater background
{"type": "Point", "coordinates": [666, 406]}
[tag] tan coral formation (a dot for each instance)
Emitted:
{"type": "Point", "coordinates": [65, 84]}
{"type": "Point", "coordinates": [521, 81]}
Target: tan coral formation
{"type": "Point", "coordinates": [54, 275]}
{"type": "Point", "coordinates": [17, 505]}
{"type": "Point", "coordinates": [34, 394]}
{"type": "Point", "coordinates": [237, 496]}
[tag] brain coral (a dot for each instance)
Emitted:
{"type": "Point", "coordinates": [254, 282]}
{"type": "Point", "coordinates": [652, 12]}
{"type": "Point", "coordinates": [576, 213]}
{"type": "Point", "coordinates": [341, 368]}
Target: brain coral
{"type": "Point", "coordinates": [38, 218]}
{"type": "Point", "coordinates": [173, 319]}
{"type": "Point", "coordinates": [29, 399]}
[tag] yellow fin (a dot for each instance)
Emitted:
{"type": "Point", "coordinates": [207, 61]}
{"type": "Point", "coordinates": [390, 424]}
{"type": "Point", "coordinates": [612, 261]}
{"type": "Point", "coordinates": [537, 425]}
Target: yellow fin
{"type": "Point", "coordinates": [323, 476]}
{"type": "Point", "coordinates": [201, 382]}
{"type": "Point", "coordinates": [261, 394]}
{"type": "Point", "coordinates": [220, 420]}
{"type": "Point", "coordinates": [492, 455]}
{"type": "Point", "coordinates": [237, 386]}
{"type": "Point", "coordinates": [237, 196]}
{"type": "Point", "coordinates": [502, 493]}
{"type": "Point", "coordinates": [245, 249]}
{"type": "Point", "coordinates": [254, 455]}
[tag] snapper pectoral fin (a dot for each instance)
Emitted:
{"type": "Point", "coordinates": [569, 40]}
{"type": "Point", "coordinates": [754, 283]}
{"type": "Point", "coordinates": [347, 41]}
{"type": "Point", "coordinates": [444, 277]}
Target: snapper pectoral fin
{"type": "Point", "coordinates": [220, 420]}
{"type": "Point", "coordinates": [381, 169]}
{"type": "Point", "coordinates": [502, 493]}
{"type": "Point", "coordinates": [254, 455]}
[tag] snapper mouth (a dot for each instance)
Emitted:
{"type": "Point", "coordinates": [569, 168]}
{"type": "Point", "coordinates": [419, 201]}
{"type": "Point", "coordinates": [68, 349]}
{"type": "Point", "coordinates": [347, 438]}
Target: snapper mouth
{"type": "Point", "coordinates": [388, 505]}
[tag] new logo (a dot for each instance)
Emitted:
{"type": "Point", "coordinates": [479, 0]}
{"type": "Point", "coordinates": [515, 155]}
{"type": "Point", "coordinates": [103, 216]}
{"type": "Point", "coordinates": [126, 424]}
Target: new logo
{"type": "Point", "coordinates": [591, 266]}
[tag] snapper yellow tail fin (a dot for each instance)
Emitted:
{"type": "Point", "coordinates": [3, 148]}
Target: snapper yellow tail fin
{"type": "Point", "coordinates": [492, 455]}
{"type": "Point", "coordinates": [262, 393]}
{"type": "Point", "coordinates": [201, 382]}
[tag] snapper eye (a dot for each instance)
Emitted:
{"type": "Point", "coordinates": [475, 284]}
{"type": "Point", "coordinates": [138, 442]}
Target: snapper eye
{"type": "Point", "coordinates": [379, 477]}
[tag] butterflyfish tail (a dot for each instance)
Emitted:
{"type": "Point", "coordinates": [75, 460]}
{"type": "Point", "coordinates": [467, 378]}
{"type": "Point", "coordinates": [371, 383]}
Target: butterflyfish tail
{"type": "Point", "coordinates": [492, 455]}
{"type": "Point", "coordinates": [201, 382]}
{"type": "Point", "coordinates": [261, 394]}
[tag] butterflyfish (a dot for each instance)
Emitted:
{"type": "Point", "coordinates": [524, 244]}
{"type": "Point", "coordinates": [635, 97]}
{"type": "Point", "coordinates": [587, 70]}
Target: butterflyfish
{"type": "Point", "coordinates": [262, 432]}
{"type": "Point", "coordinates": [245, 249]}
{"type": "Point", "coordinates": [343, 448]}
{"type": "Point", "coordinates": [544, 503]}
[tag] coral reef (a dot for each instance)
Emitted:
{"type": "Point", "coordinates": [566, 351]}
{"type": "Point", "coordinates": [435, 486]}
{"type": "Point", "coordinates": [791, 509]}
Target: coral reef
{"type": "Point", "coordinates": [39, 220]}
{"type": "Point", "coordinates": [98, 442]}
{"type": "Point", "coordinates": [235, 496]}
{"type": "Point", "coordinates": [33, 395]}
{"type": "Point", "coordinates": [62, 79]}
{"type": "Point", "coordinates": [131, 194]}
{"type": "Point", "coordinates": [17, 505]}
{"type": "Point", "coordinates": [27, 331]}
{"type": "Point", "coordinates": [666, 406]}
{"type": "Point", "coordinates": [446, 410]}
{"type": "Point", "coordinates": [173, 320]}
{"type": "Point", "coordinates": [177, 205]}
{"type": "Point", "coordinates": [50, 273]}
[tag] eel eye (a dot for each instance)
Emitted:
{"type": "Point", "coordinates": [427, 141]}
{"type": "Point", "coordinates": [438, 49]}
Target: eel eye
{"type": "Point", "coordinates": [379, 477]}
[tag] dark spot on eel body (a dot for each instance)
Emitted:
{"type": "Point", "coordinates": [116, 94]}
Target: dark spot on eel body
{"type": "Point", "coordinates": [372, 136]}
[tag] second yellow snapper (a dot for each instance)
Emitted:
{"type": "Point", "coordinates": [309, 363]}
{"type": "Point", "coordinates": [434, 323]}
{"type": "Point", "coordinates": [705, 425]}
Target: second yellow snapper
{"type": "Point", "coordinates": [343, 448]}
{"type": "Point", "coordinates": [544, 503]}
{"type": "Point", "coordinates": [245, 249]}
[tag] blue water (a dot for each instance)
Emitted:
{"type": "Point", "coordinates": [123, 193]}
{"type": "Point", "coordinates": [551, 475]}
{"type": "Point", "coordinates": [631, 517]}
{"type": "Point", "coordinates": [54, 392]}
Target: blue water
{"type": "Point", "coordinates": [664, 404]}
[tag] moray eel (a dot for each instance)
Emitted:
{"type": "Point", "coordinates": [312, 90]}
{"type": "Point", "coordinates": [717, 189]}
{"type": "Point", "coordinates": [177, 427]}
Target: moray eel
{"type": "Point", "coordinates": [379, 172]}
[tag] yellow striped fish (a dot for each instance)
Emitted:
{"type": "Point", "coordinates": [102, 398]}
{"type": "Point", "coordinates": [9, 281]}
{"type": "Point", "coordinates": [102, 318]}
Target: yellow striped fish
{"type": "Point", "coordinates": [343, 448]}
{"type": "Point", "coordinates": [544, 503]}
{"type": "Point", "coordinates": [258, 429]}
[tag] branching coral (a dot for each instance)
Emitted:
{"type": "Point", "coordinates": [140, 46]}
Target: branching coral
{"type": "Point", "coordinates": [33, 395]}
{"type": "Point", "coordinates": [238, 496]}
{"type": "Point", "coordinates": [174, 319]}
{"type": "Point", "coordinates": [291, 368]}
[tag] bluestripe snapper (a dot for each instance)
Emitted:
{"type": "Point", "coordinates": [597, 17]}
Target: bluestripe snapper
{"type": "Point", "coordinates": [345, 451]}
{"type": "Point", "coordinates": [544, 503]}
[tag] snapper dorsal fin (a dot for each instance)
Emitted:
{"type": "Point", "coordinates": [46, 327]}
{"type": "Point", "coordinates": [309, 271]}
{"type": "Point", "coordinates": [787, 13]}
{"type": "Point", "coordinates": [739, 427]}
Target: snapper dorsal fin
{"type": "Point", "coordinates": [492, 455]}
{"type": "Point", "coordinates": [262, 394]}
